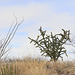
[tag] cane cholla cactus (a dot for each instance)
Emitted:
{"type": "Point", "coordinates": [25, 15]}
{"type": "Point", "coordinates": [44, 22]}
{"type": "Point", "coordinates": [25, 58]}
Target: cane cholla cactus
{"type": "Point", "coordinates": [52, 46]}
{"type": "Point", "coordinates": [8, 38]}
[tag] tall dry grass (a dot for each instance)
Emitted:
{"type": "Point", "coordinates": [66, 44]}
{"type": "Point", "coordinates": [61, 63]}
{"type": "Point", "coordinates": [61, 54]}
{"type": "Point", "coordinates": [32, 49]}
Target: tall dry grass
{"type": "Point", "coordinates": [40, 67]}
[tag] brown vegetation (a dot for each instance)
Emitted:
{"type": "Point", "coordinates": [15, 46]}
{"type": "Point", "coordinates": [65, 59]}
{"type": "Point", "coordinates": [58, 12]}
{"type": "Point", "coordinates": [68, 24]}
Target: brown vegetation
{"type": "Point", "coordinates": [41, 67]}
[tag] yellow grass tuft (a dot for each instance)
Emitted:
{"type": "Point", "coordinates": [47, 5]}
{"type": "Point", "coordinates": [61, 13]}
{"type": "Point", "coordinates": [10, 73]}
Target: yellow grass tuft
{"type": "Point", "coordinates": [41, 67]}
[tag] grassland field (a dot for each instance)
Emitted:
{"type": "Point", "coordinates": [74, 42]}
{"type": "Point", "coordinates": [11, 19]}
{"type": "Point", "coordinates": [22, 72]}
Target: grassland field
{"type": "Point", "coordinates": [30, 66]}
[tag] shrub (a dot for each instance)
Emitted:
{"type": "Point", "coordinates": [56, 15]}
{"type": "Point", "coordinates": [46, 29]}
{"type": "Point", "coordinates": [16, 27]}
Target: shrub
{"type": "Point", "coordinates": [52, 46]}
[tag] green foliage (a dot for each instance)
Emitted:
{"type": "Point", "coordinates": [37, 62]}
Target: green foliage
{"type": "Point", "coordinates": [52, 46]}
{"type": "Point", "coordinates": [9, 70]}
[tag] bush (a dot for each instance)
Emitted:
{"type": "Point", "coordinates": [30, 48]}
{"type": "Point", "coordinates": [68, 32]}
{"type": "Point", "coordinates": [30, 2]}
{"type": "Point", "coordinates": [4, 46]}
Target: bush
{"type": "Point", "coordinates": [52, 46]}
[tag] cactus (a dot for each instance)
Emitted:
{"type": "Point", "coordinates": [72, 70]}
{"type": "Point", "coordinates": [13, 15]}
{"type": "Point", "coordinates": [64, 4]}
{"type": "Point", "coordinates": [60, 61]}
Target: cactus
{"type": "Point", "coordinates": [4, 44]}
{"type": "Point", "coordinates": [52, 46]}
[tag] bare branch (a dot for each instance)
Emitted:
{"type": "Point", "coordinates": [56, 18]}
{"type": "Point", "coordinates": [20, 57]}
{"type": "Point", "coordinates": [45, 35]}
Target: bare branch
{"type": "Point", "coordinates": [9, 37]}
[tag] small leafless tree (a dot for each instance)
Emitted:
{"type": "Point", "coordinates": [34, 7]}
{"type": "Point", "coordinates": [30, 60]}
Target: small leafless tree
{"type": "Point", "coordinates": [8, 38]}
{"type": "Point", "coordinates": [72, 43]}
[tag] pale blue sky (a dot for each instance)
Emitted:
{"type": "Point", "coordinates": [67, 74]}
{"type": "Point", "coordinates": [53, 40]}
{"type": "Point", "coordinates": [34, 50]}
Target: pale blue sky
{"type": "Point", "coordinates": [52, 15]}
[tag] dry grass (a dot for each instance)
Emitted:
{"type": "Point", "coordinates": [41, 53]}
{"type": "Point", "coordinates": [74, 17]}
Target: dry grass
{"type": "Point", "coordinates": [36, 67]}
